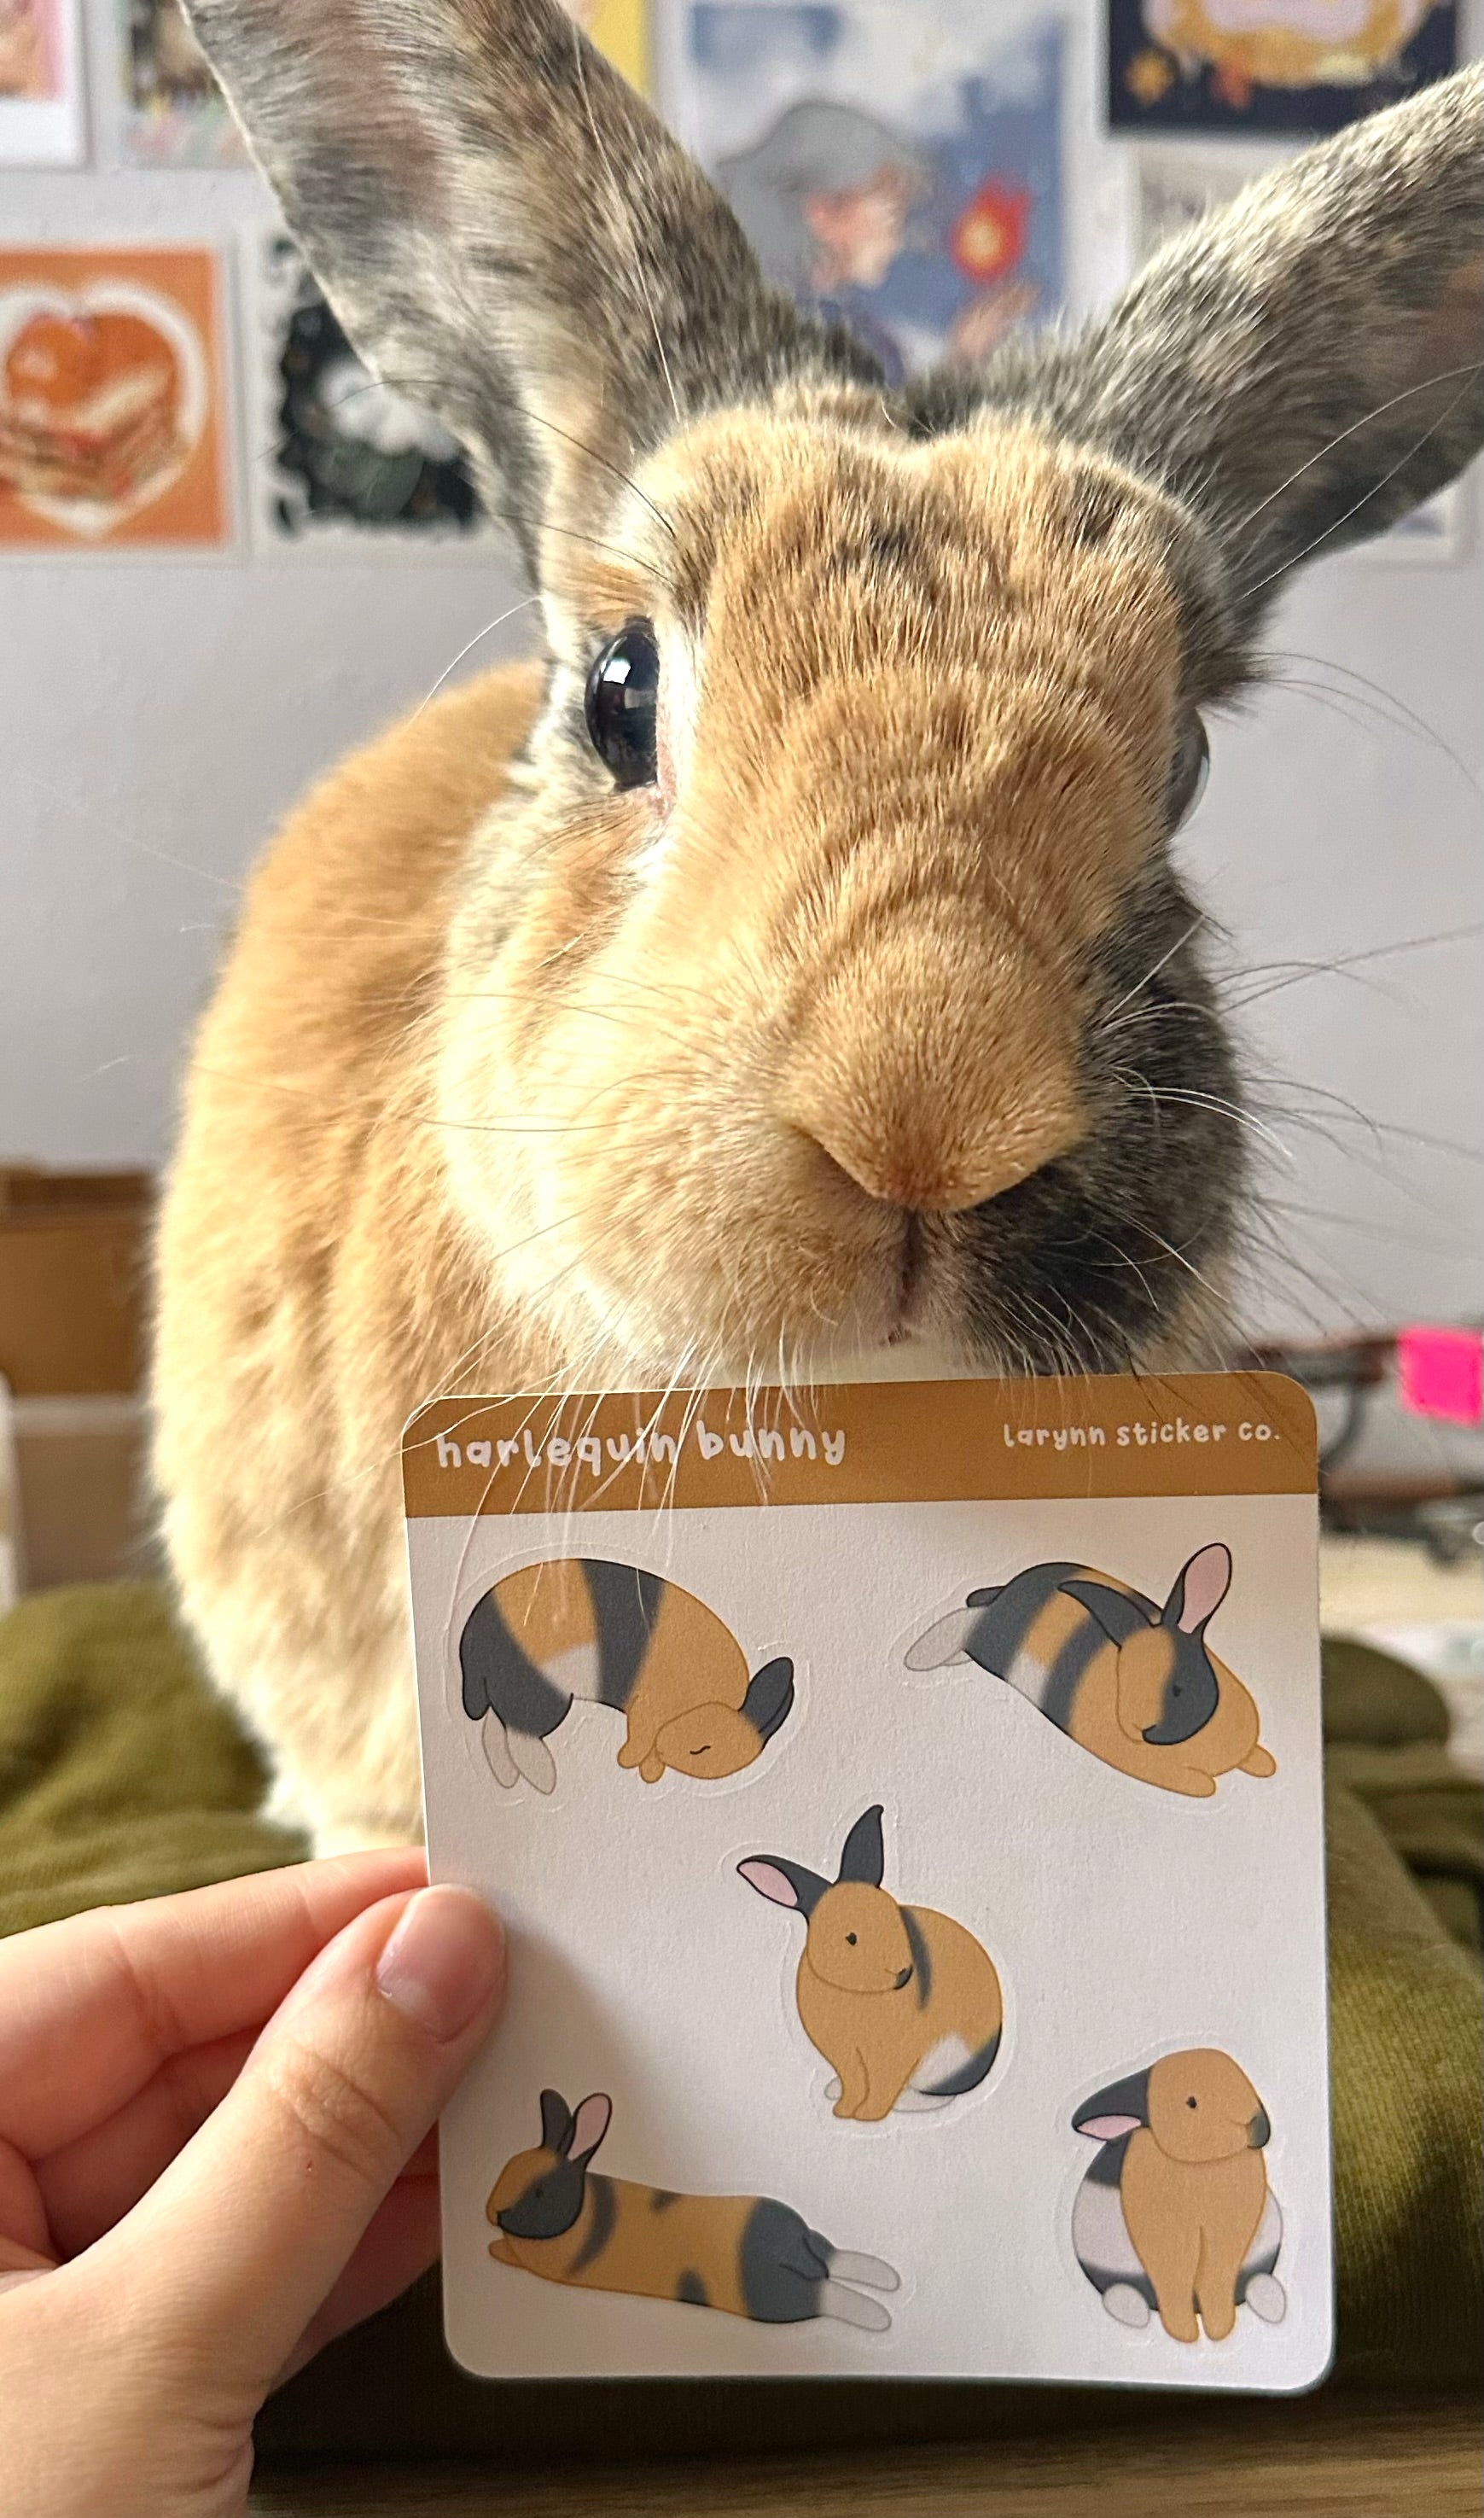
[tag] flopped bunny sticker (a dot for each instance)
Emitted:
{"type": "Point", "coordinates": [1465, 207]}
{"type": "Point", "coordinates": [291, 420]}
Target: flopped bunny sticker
{"type": "Point", "coordinates": [1176, 2215]}
{"type": "Point", "coordinates": [618, 1637]}
{"type": "Point", "coordinates": [745, 2254]}
{"type": "Point", "coordinates": [900, 1999]}
{"type": "Point", "coordinates": [1136, 1684]}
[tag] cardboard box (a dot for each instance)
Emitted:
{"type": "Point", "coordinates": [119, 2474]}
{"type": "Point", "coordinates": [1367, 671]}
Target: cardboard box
{"type": "Point", "coordinates": [73, 1280]}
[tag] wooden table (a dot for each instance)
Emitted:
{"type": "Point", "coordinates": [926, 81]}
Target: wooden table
{"type": "Point", "coordinates": [1333, 2455]}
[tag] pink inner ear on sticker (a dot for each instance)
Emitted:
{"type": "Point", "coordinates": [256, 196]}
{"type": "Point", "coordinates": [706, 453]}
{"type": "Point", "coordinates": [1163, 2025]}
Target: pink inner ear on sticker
{"type": "Point", "coordinates": [1206, 1581]}
{"type": "Point", "coordinates": [769, 1881]}
{"type": "Point", "coordinates": [1108, 2128]}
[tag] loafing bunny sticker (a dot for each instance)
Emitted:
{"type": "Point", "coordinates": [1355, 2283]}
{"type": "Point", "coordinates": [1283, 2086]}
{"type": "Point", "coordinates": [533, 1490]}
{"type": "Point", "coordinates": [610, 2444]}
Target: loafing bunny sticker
{"type": "Point", "coordinates": [619, 1636]}
{"type": "Point", "coordinates": [1136, 1684]}
{"type": "Point", "coordinates": [902, 2001]}
{"type": "Point", "coordinates": [745, 2254]}
{"type": "Point", "coordinates": [1175, 2214]}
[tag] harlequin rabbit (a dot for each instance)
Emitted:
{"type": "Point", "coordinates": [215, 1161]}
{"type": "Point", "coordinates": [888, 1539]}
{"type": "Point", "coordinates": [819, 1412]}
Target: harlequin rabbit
{"type": "Point", "coordinates": [1177, 2213]}
{"type": "Point", "coordinates": [1137, 1685]}
{"type": "Point", "coordinates": [619, 1636]}
{"type": "Point", "coordinates": [902, 2001]}
{"type": "Point", "coordinates": [749, 979]}
{"type": "Point", "coordinates": [743, 2253]}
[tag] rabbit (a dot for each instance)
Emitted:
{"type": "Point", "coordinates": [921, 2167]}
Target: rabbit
{"type": "Point", "coordinates": [613, 1635]}
{"type": "Point", "coordinates": [1177, 2213]}
{"type": "Point", "coordinates": [900, 1999]}
{"type": "Point", "coordinates": [743, 2253]}
{"type": "Point", "coordinates": [1135, 1685]}
{"type": "Point", "coordinates": [746, 982]}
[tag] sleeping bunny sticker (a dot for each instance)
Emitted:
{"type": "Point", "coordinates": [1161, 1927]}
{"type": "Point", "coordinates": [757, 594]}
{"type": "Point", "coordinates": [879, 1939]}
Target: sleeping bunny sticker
{"type": "Point", "coordinates": [618, 1637]}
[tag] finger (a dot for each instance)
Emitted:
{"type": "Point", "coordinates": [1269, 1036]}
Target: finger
{"type": "Point", "coordinates": [93, 2182]}
{"type": "Point", "coordinates": [241, 2241]}
{"type": "Point", "coordinates": [125, 1988]}
{"type": "Point", "coordinates": [401, 2240]}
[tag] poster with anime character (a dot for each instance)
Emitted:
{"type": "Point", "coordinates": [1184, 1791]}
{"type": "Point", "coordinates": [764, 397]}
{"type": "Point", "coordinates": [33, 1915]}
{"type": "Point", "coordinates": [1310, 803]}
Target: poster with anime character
{"type": "Point", "coordinates": [1274, 65]}
{"type": "Point", "coordinates": [903, 175]}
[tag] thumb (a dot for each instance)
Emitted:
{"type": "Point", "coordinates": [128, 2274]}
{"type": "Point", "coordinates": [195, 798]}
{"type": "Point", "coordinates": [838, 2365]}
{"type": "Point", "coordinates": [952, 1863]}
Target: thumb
{"type": "Point", "coordinates": [235, 2247]}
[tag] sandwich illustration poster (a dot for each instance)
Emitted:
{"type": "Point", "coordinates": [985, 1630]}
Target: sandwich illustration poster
{"type": "Point", "coordinates": [905, 1805]}
{"type": "Point", "coordinates": [112, 426]}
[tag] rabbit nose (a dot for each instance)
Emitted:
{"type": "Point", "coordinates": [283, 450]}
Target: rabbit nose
{"type": "Point", "coordinates": [934, 1085]}
{"type": "Point", "coordinates": [1259, 2132]}
{"type": "Point", "coordinates": [903, 1976]}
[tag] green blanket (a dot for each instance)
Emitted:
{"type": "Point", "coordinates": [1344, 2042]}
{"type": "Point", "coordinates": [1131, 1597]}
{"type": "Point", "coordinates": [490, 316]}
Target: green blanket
{"type": "Point", "coordinates": [122, 1776]}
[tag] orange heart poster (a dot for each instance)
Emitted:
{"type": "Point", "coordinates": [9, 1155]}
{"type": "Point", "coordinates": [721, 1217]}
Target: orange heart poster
{"type": "Point", "coordinates": [112, 427]}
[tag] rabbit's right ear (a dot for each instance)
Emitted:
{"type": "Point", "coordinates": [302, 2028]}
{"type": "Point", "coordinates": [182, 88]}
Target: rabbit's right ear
{"type": "Point", "coordinates": [589, 2125]}
{"type": "Point", "coordinates": [507, 233]}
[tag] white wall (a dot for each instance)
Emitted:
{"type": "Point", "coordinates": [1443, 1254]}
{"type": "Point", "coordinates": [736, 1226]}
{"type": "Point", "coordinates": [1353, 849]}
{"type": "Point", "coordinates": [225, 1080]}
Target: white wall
{"type": "Point", "coordinates": [155, 717]}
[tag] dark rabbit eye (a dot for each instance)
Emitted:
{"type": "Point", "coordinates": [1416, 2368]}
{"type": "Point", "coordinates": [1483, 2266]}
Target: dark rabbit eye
{"type": "Point", "coordinates": [622, 704]}
{"type": "Point", "coordinates": [1190, 2102]}
{"type": "Point", "coordinates": [1187, 777]}
{"type": "Point", "coordinates": [851, 1938]}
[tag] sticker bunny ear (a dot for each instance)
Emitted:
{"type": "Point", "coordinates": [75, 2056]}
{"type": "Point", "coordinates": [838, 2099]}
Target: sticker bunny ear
{"type": "Point", "coordinates": [1119, 2110]}
{"type": "Point", "coordinates": [783, 1884]}
{"type": "Point", "coordinates": [863, 1855]}
{"type": "Point", "coordinates": [589, 2125]}
{"type": "Point", "coordinates": [1303, 367]}
{"type": "Point", "coordinates": [508, 234]}
{"type": "Point", "coordinates": [556, 2123]}
{"type": "Point", "coordinates": [1199, 1589]}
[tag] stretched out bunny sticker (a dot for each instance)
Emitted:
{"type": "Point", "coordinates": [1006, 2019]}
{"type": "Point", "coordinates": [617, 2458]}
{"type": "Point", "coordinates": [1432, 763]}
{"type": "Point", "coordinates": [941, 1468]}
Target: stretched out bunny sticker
{"type": "Point", "coordinates": [746, 2254]}
{"type": "Point", "coordinates": [1134, 1684]}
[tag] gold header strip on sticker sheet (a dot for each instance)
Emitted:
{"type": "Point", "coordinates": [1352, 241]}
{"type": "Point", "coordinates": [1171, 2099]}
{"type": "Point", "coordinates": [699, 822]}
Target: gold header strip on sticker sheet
{"type": "Point", "coordinates": [927, 1442]}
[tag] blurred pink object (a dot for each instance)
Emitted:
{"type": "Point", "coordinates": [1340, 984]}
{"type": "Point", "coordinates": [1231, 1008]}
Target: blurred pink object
{"type": "Point", "coordinates": [1440, 1372]}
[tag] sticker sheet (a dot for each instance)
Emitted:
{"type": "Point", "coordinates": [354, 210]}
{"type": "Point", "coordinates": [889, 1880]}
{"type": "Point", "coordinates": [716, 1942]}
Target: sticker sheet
{"type": "Point", "coordinates": [174, 113]}
{"type": "Point", "coordinates": [340, 464]}
{"type": "Point", "coordinates": [1278, 65]}
{"type": "Point", "coordinates": [43, 114]}
{"type": "Point", "coordinates": [903, 174]}
{"type": "Point", "coordinates": [905, 1802]}
{"type": "Point", "coordinates": [113, 420]}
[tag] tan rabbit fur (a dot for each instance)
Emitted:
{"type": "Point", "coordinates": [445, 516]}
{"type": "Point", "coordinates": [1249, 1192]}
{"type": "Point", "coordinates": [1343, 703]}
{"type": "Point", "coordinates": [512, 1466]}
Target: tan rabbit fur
{"type": "Point", "coordinates": [815, 1035]}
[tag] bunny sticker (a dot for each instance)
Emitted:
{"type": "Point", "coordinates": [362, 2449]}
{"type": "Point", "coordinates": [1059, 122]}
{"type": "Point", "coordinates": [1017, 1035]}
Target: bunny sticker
{"type": "Point", "coordinates": [743, 2253]}
{"type": "Point", "coordinates": [1176, 2213]}
{"type": "Point", "coordinates": [1136, 1684]}
{"type": "Point", "coordinates": [900, 1999]}
{"type": "Point", "coordinates": [619, 1636]}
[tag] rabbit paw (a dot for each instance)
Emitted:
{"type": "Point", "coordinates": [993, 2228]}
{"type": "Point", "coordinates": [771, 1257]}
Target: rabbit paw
{"type": "Point", "coordinates": [1128, 2305]}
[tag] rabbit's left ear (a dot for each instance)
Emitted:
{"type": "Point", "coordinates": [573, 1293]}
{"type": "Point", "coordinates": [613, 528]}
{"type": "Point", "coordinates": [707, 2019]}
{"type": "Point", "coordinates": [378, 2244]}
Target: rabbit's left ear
{"type": "Point", "coordinates": [506, 232]}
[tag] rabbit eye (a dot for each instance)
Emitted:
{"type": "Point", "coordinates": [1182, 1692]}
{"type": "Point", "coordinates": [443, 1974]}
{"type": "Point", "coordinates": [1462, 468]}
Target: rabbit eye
{"type": "Point", "coordinates": [851, 1938]}
{"type": "Point", "coordinates": [1190, 2102]}
{"type": "Point", "coordinates": [1189, 771]}
{"type": "Point", "coordinates": [622, 704]}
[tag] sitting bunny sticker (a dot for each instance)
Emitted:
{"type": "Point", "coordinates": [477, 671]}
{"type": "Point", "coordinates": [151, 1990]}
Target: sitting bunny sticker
{"type": "Point", "coordinates": [1176, 2213]}
{"type": "Point", "coordinates": [613, 1635]}
{"type": "Point", "coordinates": [743, 2253]}
{"type": "Point", "coordinates": [900, 1999]}
{"type": "Point", "coordinates": [1136, 1684]}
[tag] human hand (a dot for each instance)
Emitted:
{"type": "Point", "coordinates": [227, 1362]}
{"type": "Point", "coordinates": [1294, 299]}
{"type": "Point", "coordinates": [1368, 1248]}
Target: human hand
{"type": "Point", "coordinates": [215, 2154]}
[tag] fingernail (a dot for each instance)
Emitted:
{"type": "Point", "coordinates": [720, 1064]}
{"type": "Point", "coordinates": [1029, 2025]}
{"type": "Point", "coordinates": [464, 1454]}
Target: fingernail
{"type": "Point", "coordinates": [445, 1964]}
